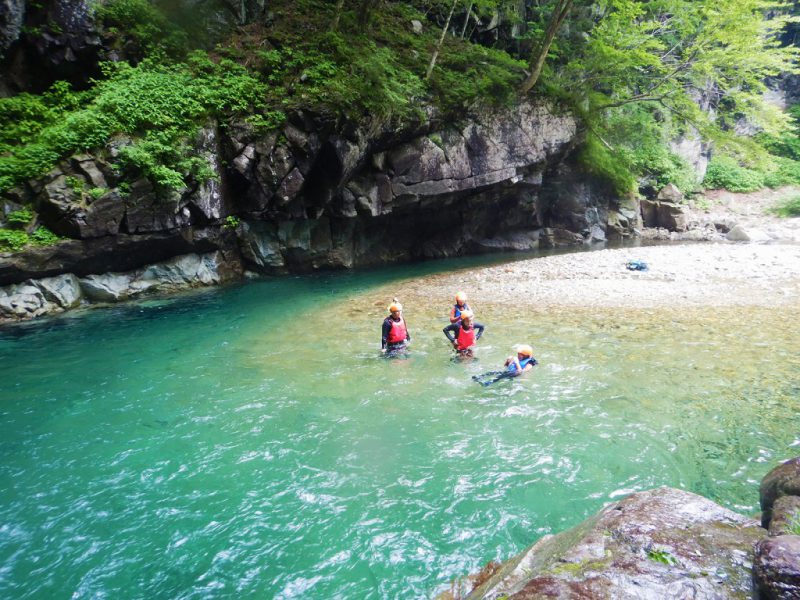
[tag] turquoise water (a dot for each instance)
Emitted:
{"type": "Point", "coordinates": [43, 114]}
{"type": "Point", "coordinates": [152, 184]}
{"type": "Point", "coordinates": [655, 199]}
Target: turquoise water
{"type": "Point", "coordinates": [251, 442]}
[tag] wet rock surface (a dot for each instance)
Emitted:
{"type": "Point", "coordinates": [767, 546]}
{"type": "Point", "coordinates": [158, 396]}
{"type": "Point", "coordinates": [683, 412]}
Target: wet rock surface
{"type": "Point", "coordinates": [49, 295]}
{"type": "Point", "coordinates": [663, 543]}
{"type": "Point", "coordinates": [777, 568]}
{"type": "Point", "coordinates": [783, 480]}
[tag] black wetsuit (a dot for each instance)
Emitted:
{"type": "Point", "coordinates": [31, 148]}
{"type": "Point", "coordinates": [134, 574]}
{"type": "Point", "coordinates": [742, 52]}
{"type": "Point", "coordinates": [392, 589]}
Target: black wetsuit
{"type": "Point", "coordinates": [387, 328]}
{"type": "Point", "coordinates": [452, 330]}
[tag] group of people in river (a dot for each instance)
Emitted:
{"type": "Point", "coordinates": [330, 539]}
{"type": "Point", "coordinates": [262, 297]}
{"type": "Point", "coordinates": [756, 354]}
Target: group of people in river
{"type": "Point", "coordinates": [462, 332]}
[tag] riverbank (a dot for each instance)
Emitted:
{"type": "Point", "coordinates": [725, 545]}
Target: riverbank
{"type": "Point", "coordinates": [697, 275]}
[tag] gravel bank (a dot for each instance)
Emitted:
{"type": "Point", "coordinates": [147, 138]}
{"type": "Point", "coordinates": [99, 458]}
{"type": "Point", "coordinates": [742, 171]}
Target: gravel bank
{"type": "Point", "coordinates": [697, 275]}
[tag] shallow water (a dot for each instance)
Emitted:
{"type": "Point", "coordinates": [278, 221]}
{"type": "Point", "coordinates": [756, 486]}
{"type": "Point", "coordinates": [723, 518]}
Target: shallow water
{"type": "Point", "coordinates": [251, 442]}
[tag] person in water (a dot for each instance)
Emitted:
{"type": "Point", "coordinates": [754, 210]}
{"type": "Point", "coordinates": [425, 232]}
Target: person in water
{"type": "Point", "coordinates": [394, 334]}
{"type": "Point", "coordinates": [459, 307]}
{"type": "Point", "coordinates": [522, 362]}
{"type": "Point", "coordinates": [464, 333]}
{"type": "Point", "coordinates": [514, 367]}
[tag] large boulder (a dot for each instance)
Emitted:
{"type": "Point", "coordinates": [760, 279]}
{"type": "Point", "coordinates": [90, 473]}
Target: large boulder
{"type": "Point", "coordinates": [663, 543]}
{"type": "Point", "coordinates": [35, 298]}
{"type": "Point", "coordinates": [783, 480]}
{"type": "Point", "coordinates": [664, 214]}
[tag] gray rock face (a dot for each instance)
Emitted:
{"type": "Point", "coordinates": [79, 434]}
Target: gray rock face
{"type": "Point", "coordinates": [50, 295]}
{"type": "Point", "coordinates": [12, 16]}
{"type": "Point", "coordinates": [35, 298]}
{"type": "Point", "coordinates": [693, 151]}
{"type": "Point", "coordinates": [663, 543]}
{"type": "Point", "coordinates": [776, 568]}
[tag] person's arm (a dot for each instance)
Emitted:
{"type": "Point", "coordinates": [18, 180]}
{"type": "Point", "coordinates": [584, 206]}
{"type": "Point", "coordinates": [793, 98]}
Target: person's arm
{"type": "Point", "coordinates": [451, 331]}
{"type": "Point", "coordinates": [517, 367]}
{"type": "Point", "coordinates": [387, 327]}
{"type": "Point", "coordinates": [478, 330]}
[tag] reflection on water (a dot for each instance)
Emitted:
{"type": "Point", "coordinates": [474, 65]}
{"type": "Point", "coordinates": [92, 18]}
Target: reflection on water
{"type": "Point", "coordinates": [253, 442]}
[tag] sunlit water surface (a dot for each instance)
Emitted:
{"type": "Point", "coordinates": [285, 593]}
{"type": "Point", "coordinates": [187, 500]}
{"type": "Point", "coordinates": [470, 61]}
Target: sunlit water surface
{"type": "Point", "coordinates": [251, 442]}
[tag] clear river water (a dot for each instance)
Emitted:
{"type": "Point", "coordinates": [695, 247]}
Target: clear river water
{"type": "Point", "coordinates": [251, 441]}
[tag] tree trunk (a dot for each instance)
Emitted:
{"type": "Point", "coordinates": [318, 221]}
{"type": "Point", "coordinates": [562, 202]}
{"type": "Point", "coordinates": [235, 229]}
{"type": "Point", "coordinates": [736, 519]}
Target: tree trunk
{"type": "Point", "coordinates": [365, 14]}
{"type": "Point", "coordinates": [441, 40]}
{"type": "Point", "coordinates": [466, 20]}
{"type": "Point", "coordinates": [339, 8]}
{"type": "Point", "coordinates": [537, 58]}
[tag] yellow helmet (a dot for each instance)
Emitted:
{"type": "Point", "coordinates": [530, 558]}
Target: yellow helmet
{"type": "Point", "coordinates": [525, 350]}
{"type": "Point", "coordinates": [395, 307]}
{"type": "Point", "coordinates": [461, 297]}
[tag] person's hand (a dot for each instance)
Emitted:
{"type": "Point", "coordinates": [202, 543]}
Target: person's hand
{"type": "Point", "coordinates": [455, 345]}
{"type": "Point", "coordinates": [383, 350]}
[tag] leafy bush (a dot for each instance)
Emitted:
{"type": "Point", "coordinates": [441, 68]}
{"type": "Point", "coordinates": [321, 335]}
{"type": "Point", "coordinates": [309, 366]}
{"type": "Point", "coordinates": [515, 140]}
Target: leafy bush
{"type": "Point", "coordinates": [43, 237]}
{"type": "Point", "coordinates": [787, 172]}
{"type": "Point", "coordinates": [788, 208]}
{"type": "Point", "coordinates": [144, 24]}
{"type": "Point", "coordinates": [160, 105]}
{"type": "Point", "coordinates": [597, 158]}
{"type": "Point", "coordinates": [726, 173]}
{"type": "Point", "coordinates": [12, 240]}
{"type": "Point", "coordinates": [19, 217]}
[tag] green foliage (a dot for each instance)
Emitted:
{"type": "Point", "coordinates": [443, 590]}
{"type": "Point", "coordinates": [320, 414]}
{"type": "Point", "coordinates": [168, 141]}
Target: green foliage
{"type": "Point", "coordinates": [144, 24]}
{"type": "Point", "coordinates": [161, 106]}
{"type": "Point", "coordinates": [12, 240]}
{"type": "Point", "coordinates": [726, 173]}
{"type": "Point", "coordinates": [793, 527]}
{"type": "Point", "coordinates": [786, 172]}
{"type": "Point", "coordinates": [231, 222]}
{"type": "Point", "coordinates": [788, 208]}
{"type": "Point", "coordinates": [43, 237]}
{"type": "Point", "coordinates": [97, 193]}
{"type": "Point", "coordinates": [605, 162]}
{"type": "Point", "coordinates": [662, 556]}
{"type": "Point", "coordinates": [19, 217]}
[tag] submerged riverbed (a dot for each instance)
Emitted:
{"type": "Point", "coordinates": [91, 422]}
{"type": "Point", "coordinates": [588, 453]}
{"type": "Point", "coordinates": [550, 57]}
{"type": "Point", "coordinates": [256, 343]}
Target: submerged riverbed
{"type": "Point", "coordinates": [251, 442]}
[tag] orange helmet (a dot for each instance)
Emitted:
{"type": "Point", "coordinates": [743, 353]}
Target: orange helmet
{"type": "Point", "coordinates": [525, 350]}
{"type": "Point", "coordinates": [395, 307]}
{"type": "Point", "coordinates": [461, 298]}
{"type": "Point", "coordinates": [467, 314]}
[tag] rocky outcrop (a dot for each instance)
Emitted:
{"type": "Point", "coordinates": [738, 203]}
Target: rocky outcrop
{"type": "Point", "coordinates": [777, 560]}
{"type": "Point", "coordinates": [50, 295]}
{"type": "Point", "coordinates": [663, 543]}
{"type": "Point", "coordinates": [326, 194]}
{"type": "Point", "coordinates": [62, 43]}
{"type": "Point", "coordinates": [12, 15]}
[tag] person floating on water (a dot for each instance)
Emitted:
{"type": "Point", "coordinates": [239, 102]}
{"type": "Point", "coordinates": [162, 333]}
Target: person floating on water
{"type": "Point", "coordinates": [514, 366]}
{"type": "Point", "coordinates": [394, 335]}
{"type": "Point", "coordinates": [464, 333]}
{"type": "Point", "coordinates": [459, 307]}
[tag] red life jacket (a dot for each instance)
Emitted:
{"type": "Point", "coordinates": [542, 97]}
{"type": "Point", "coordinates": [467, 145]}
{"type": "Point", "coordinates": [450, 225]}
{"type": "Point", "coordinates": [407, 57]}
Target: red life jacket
{"type": "Point", "coordinates": [398, 332]}
{"type": "Point", "coordinates": [465, 338]}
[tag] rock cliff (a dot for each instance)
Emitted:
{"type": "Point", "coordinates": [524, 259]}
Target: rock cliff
{"type": "Point", "coordinates": [322, 193]}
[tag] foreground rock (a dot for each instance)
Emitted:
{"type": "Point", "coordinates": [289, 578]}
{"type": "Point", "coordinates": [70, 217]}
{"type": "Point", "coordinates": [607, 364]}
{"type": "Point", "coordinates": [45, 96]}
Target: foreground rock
{"type": "Point", "coordinates": [777, 560]}
{"type": "Point", "coordinates": [663, 543]}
